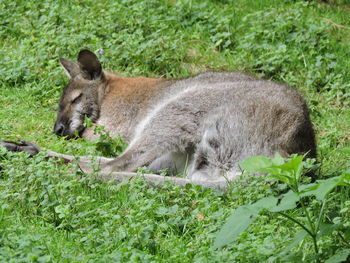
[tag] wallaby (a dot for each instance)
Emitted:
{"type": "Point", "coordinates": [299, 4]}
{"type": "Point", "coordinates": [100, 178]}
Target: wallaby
{"type": "Point", "coordinates": [202, 125]}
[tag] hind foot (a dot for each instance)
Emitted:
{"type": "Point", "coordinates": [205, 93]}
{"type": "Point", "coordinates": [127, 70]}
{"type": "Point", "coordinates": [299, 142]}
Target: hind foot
{"type": "Point", "coordinates": [22, 146]}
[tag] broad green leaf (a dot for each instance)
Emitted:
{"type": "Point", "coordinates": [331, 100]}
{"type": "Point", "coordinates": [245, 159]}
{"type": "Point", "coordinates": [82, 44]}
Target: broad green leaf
{"type": "Point", "coordinates": [255, 163]}
{"type": "Point", "coordinates": [278, 159]}
{"type": "Point", "coordinates": [241, 218]}
{"type": "Point", "coordinates": [265, 203]}
{"type": "Point", "coordinates": [287, 172]}
{"type": "Point", "coordinates": [307, 187]}
{"type": "Point", "coordinates": [274, 170]}
{"type": "Point", "coordinates": [339, 256]}
{"type": "Point", "coordinates": [293, 166]}
{"type": "Point", "coordinates": [277, 175]}
{"type": "Point", "coordinates": [276, 167]}
{"type": "Point", "coordinates": [288, 201]}
{"type": "Point", "coordinates": [321, 188]}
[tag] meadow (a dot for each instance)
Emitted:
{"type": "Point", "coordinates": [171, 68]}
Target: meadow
{"type": "Point", "coordinates": [49, 213]}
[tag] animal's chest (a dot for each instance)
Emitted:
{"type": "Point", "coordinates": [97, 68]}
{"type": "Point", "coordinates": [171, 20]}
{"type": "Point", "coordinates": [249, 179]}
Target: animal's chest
{"type": "Point", "coordinates": [118, 118]}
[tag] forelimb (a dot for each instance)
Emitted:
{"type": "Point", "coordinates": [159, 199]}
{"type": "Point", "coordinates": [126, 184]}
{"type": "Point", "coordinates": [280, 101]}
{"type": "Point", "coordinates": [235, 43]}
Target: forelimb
{"type": "Point", "coordinates": [105, 173]}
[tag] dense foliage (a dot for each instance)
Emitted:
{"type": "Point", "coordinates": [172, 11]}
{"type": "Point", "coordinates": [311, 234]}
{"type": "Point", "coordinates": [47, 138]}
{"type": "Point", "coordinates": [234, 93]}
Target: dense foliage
{"type": "Point", "coordinates": [49, 213]}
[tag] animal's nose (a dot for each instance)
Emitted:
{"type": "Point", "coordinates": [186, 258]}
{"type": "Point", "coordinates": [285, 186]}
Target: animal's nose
{"type": "Point", "coordinates": [59, 129]}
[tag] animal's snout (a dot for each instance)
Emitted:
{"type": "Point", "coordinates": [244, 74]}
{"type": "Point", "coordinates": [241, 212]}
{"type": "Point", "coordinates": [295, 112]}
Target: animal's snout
{"type": "Point", "coordinates": [59, 129]}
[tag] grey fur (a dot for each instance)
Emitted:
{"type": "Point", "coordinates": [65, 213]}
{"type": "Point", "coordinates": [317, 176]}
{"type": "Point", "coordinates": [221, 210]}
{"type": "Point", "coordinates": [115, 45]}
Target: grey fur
{"type": "Point", "coordinates": [203, 125]}
{"type": "Point", "coordinates": [224, 123]}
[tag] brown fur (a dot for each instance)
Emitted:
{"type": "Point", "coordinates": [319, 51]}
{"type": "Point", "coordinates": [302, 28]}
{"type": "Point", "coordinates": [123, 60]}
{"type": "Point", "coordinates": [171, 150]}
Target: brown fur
{"type": "Point", "coordinates": [132, 96]}
{"type": "Point", "coordinates": [202, 126]}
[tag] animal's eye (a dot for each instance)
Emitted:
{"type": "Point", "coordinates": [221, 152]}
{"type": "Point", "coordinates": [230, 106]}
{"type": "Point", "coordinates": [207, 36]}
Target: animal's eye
{"type": "Point", "coordinates": [77, 98]}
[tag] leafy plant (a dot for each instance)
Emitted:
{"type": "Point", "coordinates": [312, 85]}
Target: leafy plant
{"type": "Point", "coordinates": [48, 213]}
{"type": "Point", "coordinates": [288, 171]}
{"type": "Point", "coordinates": [106, 145]}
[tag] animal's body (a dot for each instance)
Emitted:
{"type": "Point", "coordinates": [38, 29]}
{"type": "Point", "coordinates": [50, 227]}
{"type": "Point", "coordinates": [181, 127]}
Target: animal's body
{"type": "Point", "coordinates": [203, 125]}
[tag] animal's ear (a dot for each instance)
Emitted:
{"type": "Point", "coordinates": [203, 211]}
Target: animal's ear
{"type": "Point", "coordinates": [70, 68]}
{"type": "Point", "coordinates": [90, 65]}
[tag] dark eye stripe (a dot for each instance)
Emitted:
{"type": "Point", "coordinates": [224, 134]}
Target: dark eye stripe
{"type": "Point", "coordinates": [77, 98]}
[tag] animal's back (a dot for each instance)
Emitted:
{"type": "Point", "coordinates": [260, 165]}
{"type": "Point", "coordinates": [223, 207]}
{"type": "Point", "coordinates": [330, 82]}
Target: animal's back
{"type": "Point", "coordinates": [130, 101]}
{"type": "Point", "coordinates": [210, 121]}
{"type": "Point", "coordinates": [224, 118]}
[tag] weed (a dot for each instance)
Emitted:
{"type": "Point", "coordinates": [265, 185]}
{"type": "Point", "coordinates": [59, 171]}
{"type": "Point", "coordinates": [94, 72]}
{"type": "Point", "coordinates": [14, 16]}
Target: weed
{"type": "Point", "coordinates": [48, 213]}
{"type": "Point", "coordinates": [313, 223]}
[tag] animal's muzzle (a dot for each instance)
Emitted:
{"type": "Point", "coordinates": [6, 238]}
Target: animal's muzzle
{"type": "Point", "coordinates": [59, 129]}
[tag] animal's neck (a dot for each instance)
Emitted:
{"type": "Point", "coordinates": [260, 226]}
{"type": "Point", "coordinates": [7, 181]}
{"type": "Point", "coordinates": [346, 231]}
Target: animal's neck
{"type": "Point", "coordinates": [132, 86]}
{"type": "Point", "coordinates": [126, 101]}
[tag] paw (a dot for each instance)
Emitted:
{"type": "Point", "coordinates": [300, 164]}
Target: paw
{"type": "Point", "coordinates": [22, 146]}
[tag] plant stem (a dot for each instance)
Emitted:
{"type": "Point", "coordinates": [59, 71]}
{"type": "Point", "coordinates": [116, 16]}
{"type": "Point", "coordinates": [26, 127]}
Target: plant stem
{"type": "Point", "coordinates": [297, 222]}
{"type": "Point", "coordinates": [307, 230]}
{"type": "Point", "coordinates": [320, 216]}
{"type": "Point", "coordinates": [342, 238]}
{"type": "Point", "coordinates": [312, 227]}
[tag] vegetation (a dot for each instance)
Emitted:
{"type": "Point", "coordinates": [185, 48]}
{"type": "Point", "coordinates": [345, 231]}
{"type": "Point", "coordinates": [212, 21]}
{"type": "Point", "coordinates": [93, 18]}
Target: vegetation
{"type": "Point", "coordinates": [312, 221]}
{"type": "Point", "coordinates": [50, 213]}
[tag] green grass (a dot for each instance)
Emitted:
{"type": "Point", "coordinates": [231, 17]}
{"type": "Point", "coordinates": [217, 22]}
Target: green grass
{"type": "Point", "coordinates": [51, 214]}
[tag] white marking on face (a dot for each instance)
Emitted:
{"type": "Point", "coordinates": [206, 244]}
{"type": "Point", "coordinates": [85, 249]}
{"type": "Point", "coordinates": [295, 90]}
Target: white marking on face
{"type": "Point", "coordinates": [76, 121]}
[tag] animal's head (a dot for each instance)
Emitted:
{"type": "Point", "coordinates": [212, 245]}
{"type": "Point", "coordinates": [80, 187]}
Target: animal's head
{"type": "Point", "coordinates": [82, 95]}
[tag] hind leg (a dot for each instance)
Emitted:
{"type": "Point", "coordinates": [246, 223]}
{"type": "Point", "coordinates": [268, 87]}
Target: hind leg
{"type": "Point", "coordinates": [159, 136]}
{"type": "Point", "coordinates": [203, 170]}
{"type": "Point", "coordinates": [157, 156]}
{"type": "Point", "coordinates": [221, 147]}
{"type": "Point", "coordinates": [174, 163]}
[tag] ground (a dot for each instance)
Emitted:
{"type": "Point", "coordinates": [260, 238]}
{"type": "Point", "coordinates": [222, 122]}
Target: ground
{"type": "Point", "coordinates": [49, 213]}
